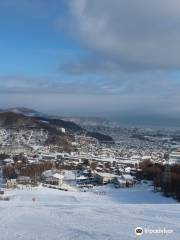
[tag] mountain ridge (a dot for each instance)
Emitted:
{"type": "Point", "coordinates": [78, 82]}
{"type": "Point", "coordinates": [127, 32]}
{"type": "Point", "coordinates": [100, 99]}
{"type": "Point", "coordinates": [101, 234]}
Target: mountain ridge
{"type": "Point", "coordinates": [14, 119]}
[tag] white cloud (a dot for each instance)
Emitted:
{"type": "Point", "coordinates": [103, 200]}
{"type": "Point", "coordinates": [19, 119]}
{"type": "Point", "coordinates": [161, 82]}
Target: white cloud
{"type": "Point", "coordinates": [137, 34]}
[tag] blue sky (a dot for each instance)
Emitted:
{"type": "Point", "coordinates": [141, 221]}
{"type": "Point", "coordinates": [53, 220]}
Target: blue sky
{"type": "Point", "coordinates": [117, 59]}
{"type": "Point", "coordinates": [31, 43]}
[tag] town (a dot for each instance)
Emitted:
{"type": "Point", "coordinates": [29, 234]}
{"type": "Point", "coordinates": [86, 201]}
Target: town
{"type": "Point", "coordinates": [26, 159]}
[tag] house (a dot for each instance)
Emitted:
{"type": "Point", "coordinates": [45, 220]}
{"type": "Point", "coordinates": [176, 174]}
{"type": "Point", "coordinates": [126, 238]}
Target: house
{"type": "Point", "coordinates": [127, 169]}
{"type": "Point", "coordinates": [70, 177]}
{"type": "Point", "coordinates": [11, 183]}
{"type": "Point", "coordinates": [125, 180]}
{"type": "Point", "coordinates": [146, 158]}
{"type": "Point", "coordinates": [8, 161]}
{"type": "Point", "coordinates": [129, 180]}
{"type": "Point", "coordinates": [104, 178]}
{"type": "Point", "coordinates": [137, 173]}
{"type": "Point", "coordinates": [174, 157]}
{"type": "Point", "coordinates": [53, 177]}
{"type": "Point", "coordinates": [63, 130]}
{"type": "Point", "coordinates": [81, 179]}
{"type": "Point", "coordinates": [24, 180]}
{"type": "Point", "coordinates": [1, 192]}
{"type": "Point", "coordinates": [119, 182]}
{"type": "Point", "coordinates": [85, 180]}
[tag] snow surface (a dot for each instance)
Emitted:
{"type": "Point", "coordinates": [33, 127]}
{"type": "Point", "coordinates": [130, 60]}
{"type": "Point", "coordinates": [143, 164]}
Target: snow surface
{"type": "Point", "coordinates": [103, 213]}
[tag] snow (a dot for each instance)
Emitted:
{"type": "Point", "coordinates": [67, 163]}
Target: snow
{"type": "Point", "coordinates": [81, 177]}
{"type": "Point", "coordinates": [108, 175]}
{"type": "Point", "coordinates": [127, 177]}
{"type": "Point", "coordinates": [103, 213]}
{"type": "Point", "coordinates": [8, 160]}
{"type": "Point", "coordinates": [24, 178]}
{"type": "Point", "coordinates": [43, 121]}
{"type": "Point", "coordinates": [49, 173]}
{"type": "Point", "coordinates": [58, 176]}
{"type": "Point", "coordinates": [69, 175]}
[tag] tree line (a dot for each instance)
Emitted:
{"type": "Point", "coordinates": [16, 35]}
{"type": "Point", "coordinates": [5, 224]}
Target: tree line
{"type": "Point", "coordinates": [166, 178]}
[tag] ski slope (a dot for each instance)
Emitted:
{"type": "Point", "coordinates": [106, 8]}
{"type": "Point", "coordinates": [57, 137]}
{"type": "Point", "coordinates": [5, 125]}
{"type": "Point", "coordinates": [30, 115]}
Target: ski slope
{"type": "Point", "coordinates": [103, 213]}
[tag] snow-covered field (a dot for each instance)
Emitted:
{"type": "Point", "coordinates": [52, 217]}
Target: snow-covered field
{"type": "Point", "coordinates": [104, 213]}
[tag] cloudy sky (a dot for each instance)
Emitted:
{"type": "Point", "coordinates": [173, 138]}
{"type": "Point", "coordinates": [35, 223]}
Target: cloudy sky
{"type": "Point", "coordinates": [118, 59]}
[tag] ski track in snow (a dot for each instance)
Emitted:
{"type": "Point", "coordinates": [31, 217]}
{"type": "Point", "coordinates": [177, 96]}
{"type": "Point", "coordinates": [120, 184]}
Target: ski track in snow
{"type": "Point", "coordinates": [58, 215]}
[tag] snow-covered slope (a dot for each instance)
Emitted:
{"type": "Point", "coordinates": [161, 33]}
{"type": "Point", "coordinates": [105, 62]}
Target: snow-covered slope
{"type": "Point", "coordinates": [98, 214]}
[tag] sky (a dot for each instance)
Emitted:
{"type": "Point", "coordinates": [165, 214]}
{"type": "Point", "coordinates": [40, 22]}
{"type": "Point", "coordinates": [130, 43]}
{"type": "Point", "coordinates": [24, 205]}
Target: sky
{"type": "Point", "coordinates": [117, 59]}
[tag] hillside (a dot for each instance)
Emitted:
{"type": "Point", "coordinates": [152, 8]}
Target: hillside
{"type": "Point", "coordinates": [87, 215]}
{"type": "Point", "coordinates": [70, 126]}
{"type": "Point", "coordinates": [52, 125]}
{"type": "Point", "coordinates": [101, 137]}
{"type": "Point", "coordinates": [24, 111]}
{"type": "Point", "coordinates": [11, 119]}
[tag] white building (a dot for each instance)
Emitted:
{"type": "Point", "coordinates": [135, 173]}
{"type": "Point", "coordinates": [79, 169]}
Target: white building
{"type": "Point", "coordinates": [104, 178]}
{"type": "Point", "coordinates": [69, 177]}
{"type": "Point", "coordinates": [126, 180]}
{"type": "Point", "coordinates": [63, 130]}
{"type": "Point", "coordinates": [53, 177]}
{"type": "Point", "coordinates": [24, 180]}
{"type": "Point", "coordinates": [174, 157]}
